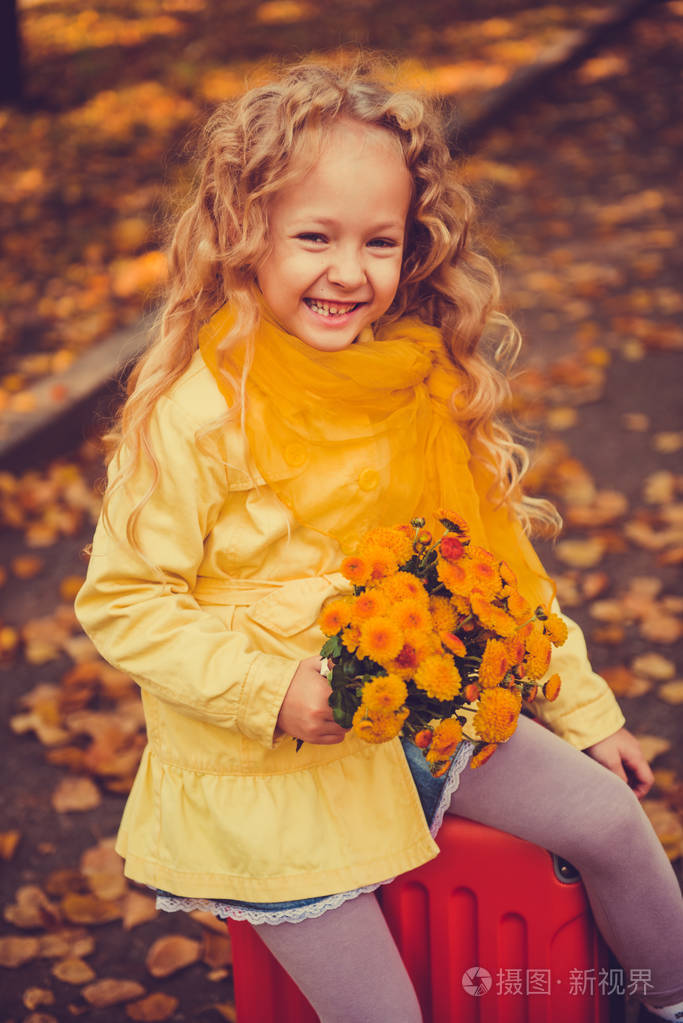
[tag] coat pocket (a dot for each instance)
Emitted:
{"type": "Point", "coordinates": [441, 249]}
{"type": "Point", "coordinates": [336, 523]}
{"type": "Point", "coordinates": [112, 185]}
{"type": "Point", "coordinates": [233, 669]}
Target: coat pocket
{"type": "Point", "coordinates": [294, 606]}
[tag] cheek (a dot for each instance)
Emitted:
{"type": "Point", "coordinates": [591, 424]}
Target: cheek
{"type": "Point", "coordinates": [390, 280]}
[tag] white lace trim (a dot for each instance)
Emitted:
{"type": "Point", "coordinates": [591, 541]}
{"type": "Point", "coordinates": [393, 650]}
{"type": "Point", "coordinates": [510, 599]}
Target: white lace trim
{"type": "Point", "coordinates": [460, 762]}
{"type": "Point", "coordinates": [176, 903]}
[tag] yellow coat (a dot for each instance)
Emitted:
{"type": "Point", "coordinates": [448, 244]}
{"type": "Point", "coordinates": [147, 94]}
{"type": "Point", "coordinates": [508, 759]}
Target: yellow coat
{"type": "Point", "coordinates": [222, 805]}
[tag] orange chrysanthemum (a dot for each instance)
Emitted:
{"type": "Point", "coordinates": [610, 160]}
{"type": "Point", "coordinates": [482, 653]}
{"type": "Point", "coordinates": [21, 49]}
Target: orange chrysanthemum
{"type": "Point", "coordinates": [494, 664]}
{"type": "Point", "coordinates": [458, 521]}
{"type": "Point", "coordinates": [471, 692]}
{"type": "Point", "coordinates": [384, 693]}
{"type": "Point", "coordinates": [538, 653]}
{"type": "Point", "coordinates": [455, 575]}
{"type": "Point", "coordinates": [483, 755]}
{"type": "Point", "coordinates": [484, 571]}
{"type": "Point", "coordinates": [552, 687]}
{"type": "Point", "coordinates": [439, 769]}
{"type": "Point", "coordinates": [380, 639]}
{"type": "Point", "coordinates": [355, 569]}
{"type": "Point", "coordinates": [496, 719]}
{"type": "Point", "coordinates": [403, 586]}
{"type": "Point", "coordinates": [453, 643]}
{"type": "Point", "coordinates": [507, 575]}
{"type": "Point", "coordinates": [556, 628]}
{"type": "Point", "coordinates": [369, 604]}
{"type": "Point", "coordinates": [447, 734]}
{"type": "Point", "coordinates": [394, 540]}
{"type": "Point", "coordinates": [444, 615]}
{"type": "Point", "coordinates": [438, 677]}
{"type": "Point", "coordinates": [381, 562]}
{"type": "Point", "coordinates": [518, 606]}
{"type": "Point", "coordinates": [334, 617]}
{"type": "Point", "coordinates": [414, 650]}
{"type": "Point", "coordinates": [423, 738]}
{"type": "Point", "coordinates": [451, 547]}
{"type": "Point", "coordinates": [491, 617]}
{"type": "Point", "coordinates": [515, 649]}
{"type": "Point", "coordinates": [378, 727]}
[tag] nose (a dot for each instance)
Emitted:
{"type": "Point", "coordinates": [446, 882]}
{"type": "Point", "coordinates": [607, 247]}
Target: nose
{"type": "Point", "coordinates": [346, 268]}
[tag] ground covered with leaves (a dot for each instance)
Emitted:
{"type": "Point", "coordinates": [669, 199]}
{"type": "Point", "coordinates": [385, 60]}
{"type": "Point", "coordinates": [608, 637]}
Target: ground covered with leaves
{"type": "Point", "coordinates": [582, 202]}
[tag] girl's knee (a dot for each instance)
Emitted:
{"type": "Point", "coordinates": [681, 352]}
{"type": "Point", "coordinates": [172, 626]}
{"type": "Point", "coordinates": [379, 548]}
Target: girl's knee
{"type": "Point", "coordinates": [387, 1007]}
{"type": "Point", "coordinates": [613, 823]}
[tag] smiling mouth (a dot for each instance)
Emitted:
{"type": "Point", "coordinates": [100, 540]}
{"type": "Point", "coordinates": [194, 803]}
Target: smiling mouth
{"type": "Point", "coordinates": [331, 308]}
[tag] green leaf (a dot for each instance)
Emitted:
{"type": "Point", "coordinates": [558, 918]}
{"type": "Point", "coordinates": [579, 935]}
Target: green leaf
{"type": "Point", "coordinates": [331, 647]}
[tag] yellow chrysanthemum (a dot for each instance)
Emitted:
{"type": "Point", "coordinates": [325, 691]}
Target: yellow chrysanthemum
{"type": "Point", "coordinates": [494, 664]}
{"type": "Point", "coordinates": [394, 540]}
{"type": "Point", "coordinates": [496, 719]}
{"type": "Point", "coordinates": [385, 693]}
{"type": "Point", "coordinates": [381, 562]}
{"type": "Point", "coordinates": [351, 638]}
{"type": "Point", "coordinates": [334, 617]}
{"type": "Point", "coordinates": [404, 586]}
{"type": "Point", "coordinates": [538, 652]}
{"type": "Point", "coordinates": [378, 727]}
{"type": "Point", "coordinates": [438, 677]}
{"type": "Point", "coordinates": [492, 617]}
{"type": "Point", "coordinates": [484, 571]}
{"type": "Point", "coordinates": [552, 687]}
{"type": "Point", "coordinates": [380, 639]}
{"type": "Point", "coordinates": [455, 575]}
{"type": "Point", "coordinates": [369, 604]}
{"type": "Point", "coordinates": [444, 615]}
{"type": "Point", "coordinates": [356, 570]}
{"type": "Point", "coordinates": [483, 755]}
{"type": "Point", "coordinates": [411, 615]}
{"type": "Point", "coordinates": [556, 628]}
{"type": "Point", "coordinates": [446, 736]}
{"type": "Point", "coordinates": [461, 605]}
{"type": "Point", "coordinates": [519, 608]}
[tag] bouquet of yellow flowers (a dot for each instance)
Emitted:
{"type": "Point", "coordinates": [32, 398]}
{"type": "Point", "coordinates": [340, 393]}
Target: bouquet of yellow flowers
{"type": "Point", "coordinates": [436, 643]}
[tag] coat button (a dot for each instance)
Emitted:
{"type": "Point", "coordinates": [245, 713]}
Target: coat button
{"type": "Point", "coordinates": [368, 479]}
{"type": "Point", "coordinates": [295, 454]}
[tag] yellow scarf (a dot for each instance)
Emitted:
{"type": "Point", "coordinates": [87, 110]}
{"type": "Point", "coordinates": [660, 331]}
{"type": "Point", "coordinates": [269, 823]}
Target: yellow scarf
{"type": "Point", "coordinates": [364, 437]}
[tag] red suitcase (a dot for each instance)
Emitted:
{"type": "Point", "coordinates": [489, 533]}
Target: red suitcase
{"type": "Point", "coordinates": [490, 932]}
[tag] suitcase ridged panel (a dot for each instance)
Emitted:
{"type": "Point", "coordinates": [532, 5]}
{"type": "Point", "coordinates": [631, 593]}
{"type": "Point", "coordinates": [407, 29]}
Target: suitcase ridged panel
{"type": "Point", "coordinates": [507, 910]}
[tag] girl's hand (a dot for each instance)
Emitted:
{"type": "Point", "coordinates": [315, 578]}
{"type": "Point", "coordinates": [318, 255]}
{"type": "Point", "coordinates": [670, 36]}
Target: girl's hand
{"type": "Point", "coordinates": [622, 754]}
{"type": "Point", "coordinates": [305, 712]}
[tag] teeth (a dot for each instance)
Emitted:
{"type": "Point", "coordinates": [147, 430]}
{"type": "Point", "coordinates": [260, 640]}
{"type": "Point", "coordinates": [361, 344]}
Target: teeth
{"type": "Point", "coordinates": [330, 308]}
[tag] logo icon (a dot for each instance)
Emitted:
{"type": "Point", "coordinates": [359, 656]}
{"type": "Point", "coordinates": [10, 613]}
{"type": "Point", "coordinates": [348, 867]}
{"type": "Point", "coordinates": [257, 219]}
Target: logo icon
{"type": "Point", "coordinates": [477, 981]}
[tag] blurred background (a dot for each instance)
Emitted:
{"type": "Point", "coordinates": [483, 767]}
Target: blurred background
{"type": "Point", "coordinates": [565, 118]}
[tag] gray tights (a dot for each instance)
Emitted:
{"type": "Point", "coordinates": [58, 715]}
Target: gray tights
{"type": "Point", "coordinates": [541, 789]}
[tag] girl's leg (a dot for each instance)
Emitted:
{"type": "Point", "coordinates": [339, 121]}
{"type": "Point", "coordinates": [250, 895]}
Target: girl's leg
{"type": "Point", "coordinates": [347, 964]}
{"type": "Point", "coordinates": [540, 788]}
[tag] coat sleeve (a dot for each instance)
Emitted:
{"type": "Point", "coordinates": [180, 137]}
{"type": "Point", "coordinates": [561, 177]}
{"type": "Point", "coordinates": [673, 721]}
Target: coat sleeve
{"type": "Point", "coordinates": [585, 710]}
{"type": "Point", "coordinates": [138, 608]}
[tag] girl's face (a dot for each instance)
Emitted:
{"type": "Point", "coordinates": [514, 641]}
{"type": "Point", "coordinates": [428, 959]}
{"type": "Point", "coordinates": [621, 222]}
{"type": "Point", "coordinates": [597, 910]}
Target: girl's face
{"type": "Point", "coordinates": [337, 239]}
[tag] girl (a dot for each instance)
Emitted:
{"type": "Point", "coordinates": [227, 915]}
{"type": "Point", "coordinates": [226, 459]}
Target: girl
{"type": "Point", "coordinates": [320, 370]}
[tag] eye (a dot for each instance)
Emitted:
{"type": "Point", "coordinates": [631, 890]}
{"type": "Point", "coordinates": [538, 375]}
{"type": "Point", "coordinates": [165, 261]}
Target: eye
{"type": "Point", "coordinates": [383, 243]}
{"type": "Point", "coordinates": [314, 237]}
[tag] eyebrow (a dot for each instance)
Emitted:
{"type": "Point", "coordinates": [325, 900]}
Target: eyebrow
{"type": "Point", "coordinates": [388, 225]}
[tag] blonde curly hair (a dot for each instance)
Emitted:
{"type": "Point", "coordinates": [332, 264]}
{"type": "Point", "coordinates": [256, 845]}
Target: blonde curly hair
{"type": "Point", "coordinates": [253, 147]}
